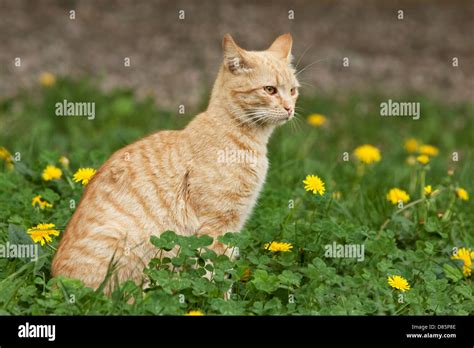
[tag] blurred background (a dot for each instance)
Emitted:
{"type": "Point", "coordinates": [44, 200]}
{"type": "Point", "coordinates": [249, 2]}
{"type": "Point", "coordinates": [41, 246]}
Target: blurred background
{"type": "Point", "coordinates": [176, 60]}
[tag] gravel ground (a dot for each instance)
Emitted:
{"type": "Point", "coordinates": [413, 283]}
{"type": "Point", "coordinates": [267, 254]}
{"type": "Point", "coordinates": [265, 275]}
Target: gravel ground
{"type": "Point", "coordinates": [177, 60]}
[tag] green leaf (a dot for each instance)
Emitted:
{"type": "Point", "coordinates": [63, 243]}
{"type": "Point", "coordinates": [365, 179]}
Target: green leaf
{"type": "Point", "coordinates": [258, 307]}
{"type": "Point", "coordinates": [369, 307]}
{"type": "Point", "coordinates": [178, 260]}
{"type": "Point", "coordinates": [405, 224]}
{"type": "Point", "coordinates": [273, 305]}
{"type": "Point", "coordinates": [17, 235]}
{"type": "Point", "coordinates": [50, 196]}
{"type": "Point", "coordinates": [464, 290]}
{"type": "Point", "coordinates": [209, 255]}
{"type": "Point", "coordinates": [18, 238]}
{"type": "Point", "coordinates": [290, 278]}
{"type": "Point", "coordinates": [167, 240]}
{"type": "Point", "coordinates": [204, 241]}
{"type": "Point", "coordinates": [432, 225]}
{"type": "Point", "coordinates": [229, 239]}
{"type": "Point", "coordinates": [429, 248]}
{"type": "Point", "coordinates": [5, 182]}
{"type": "Point", "coordinates": [265, 282]}
{"type": "Point", "coordinates": [384, 265]}
{"type": "Point", "coordinates": [228, 307]}
{"type": "Point", "coordinates": [452, 273]}
{"type": "Point", "coordinates": [202, 287]}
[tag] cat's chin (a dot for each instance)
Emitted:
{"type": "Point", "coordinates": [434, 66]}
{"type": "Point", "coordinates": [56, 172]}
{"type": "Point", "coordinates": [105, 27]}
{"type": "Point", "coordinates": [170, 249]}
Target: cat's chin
{"type": "Point", "coordinates": [281, 120]}
{"type": "Point", "coordinates": [274, 122]}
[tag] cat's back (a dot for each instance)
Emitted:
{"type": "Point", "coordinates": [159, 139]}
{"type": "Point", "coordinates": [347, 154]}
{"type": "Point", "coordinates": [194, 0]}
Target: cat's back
{"type": "Point", "coordinates": [131, 166]}
{"type": "Point", "coordinates": [136, 176]}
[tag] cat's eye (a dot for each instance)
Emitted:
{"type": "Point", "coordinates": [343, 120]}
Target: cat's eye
{"type": "Point", "coordinates": [293, 91]}
{"type": "Point", "coordinates": [270, 90]}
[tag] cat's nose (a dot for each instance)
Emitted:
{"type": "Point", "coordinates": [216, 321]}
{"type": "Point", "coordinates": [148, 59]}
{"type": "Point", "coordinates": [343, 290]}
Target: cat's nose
{"type": "Point", "coordinates": [289, 110]}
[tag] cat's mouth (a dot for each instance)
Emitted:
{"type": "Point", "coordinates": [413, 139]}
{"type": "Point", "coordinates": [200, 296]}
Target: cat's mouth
{"type": "Point", "coordinates": [283, 119]}
{"type": "Point", "coordinates": [263, 118]}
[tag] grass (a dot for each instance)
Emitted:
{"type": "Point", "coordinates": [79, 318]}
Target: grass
{"type": "Point", "coordinates": [415, 242]}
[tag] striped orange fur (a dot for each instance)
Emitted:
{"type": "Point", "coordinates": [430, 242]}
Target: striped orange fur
{"type": "Point", "coordinates": [204, 179]}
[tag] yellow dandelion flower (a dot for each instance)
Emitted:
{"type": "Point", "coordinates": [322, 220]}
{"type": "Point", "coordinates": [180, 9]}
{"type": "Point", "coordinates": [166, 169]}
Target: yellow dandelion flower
{"type": "Point", "coordinates": [396, 195]}
{"type": "Point", "coordinates": [411, 145]}
{"type": "Point", "coordinates": [64, 161]}
{"type": "Point", "coordinates": [194, 313]}
{"type": "Point", "coordinates": [84, 175]}
{"type": "Point", "coordinates": [367, 154]}
{"type": "Point", "coordinates": [316, 120]}
{"type": "Point", "coordinates": [47, 79]}
{"type": "Point", "coordinates": [47, 204]}
{"type": "Point", "coordinates": [52, 173]}
{"type": "Point", "coordinates": [336, 195]}
{"type": "Point", "coordinates": [423, 159]}
{"type": "Point", "coordinates": [428, 150]}
{"type": "Point", "coordinates": [278, 246]}
{"type": "Point", "coordinates": [42, 233]}
{"type": "Point", "coordinates": [411, 160]}
{"type": "Point", "coordinates": [37, 201]}
{"type": "Point", "coordinates": [428, 190]}
{"type": "Point", "coordinates": [399, 283]}
{"type": "Point", "coordinates": [315, 184]}
{"type": "Point", "coordinates": [7, 157]}
{"type": "Point", "coordinates": [462, 194]}
{"type": "Point", "coordinates": [465, 255]}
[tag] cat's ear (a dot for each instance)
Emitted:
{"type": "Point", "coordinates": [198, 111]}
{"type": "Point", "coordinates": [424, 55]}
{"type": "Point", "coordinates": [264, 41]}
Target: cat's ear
{"type": "Point", "coordinates": [282, 46]}
{"type": "Point", "coordinates": [235, 59]}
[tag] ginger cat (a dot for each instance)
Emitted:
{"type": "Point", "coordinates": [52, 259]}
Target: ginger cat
{"type": "Point", "coordinates": [178, 180]}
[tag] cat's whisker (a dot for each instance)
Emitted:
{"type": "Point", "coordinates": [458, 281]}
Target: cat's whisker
{"type": "Point", "coordinates": [248, 118]}
{"type": "Point", "coordinates": [267, 115]}
{"type": "Point", "coordinates": [301, 57]}
{"type": "Point", "coordinates": [297, 117]}
{"type": "Point", "coordinates": [293, 127]}
{"type": "Point", "coordinates": [307, 84]}
{"type": "Point", "coordinates": [258, 119]}
{"type": "Point", "coordinates": [310, 65]}
{"type": "Point", "coordinates": [299, 111]}
{"type": "Point", "coordinates": [255, 116]}
{"type": "Point", "coordinates": [243, 115]}
{"type": "Point", "coordinates": [239, 111]}
{"type": "Point", "coordinates": [297, 122]}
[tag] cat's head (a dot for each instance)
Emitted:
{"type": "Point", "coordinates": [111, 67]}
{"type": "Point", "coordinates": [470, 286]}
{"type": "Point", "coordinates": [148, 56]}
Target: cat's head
{"type": "Point", "coordinates": [260, 86]}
